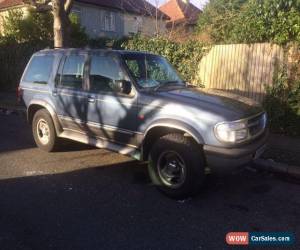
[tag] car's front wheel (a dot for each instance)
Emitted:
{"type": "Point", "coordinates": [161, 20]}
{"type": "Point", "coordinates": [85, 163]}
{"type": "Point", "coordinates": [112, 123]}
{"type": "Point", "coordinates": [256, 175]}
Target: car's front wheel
{"type": "Point", "coordinates": [176, 166]}
{"type": "Point", "coordinates": [44, 131]}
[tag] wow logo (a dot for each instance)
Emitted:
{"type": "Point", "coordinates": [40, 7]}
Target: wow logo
{"type": "Point", "coordinates": [260, 238]}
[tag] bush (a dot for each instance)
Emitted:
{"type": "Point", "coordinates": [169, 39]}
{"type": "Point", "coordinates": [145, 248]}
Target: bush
{"type": "Point", "coordinates": [275, 21]}
{"type": "Point", "coordinates": [37, 27]}
{"type": "Point", "coordinates": [282, 104]}
{"type": "Point", "coordinates": [185, 57]}
{"type": "Point", "coordinates": [218, 19]}
{"type": "Point", "coordinates": [251, 21]}
{"type": "Point", "coordinates": [78, 37]}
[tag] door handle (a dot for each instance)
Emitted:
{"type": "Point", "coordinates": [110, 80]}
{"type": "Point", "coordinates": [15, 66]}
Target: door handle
{"type": "Point", "coordinates": [54, 93]}
{"type": "Point", "coordinates": [91, 99]}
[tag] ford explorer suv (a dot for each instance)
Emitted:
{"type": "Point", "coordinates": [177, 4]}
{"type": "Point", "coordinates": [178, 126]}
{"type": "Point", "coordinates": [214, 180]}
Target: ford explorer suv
{"type": "Point", "coordinates": [135, 103]}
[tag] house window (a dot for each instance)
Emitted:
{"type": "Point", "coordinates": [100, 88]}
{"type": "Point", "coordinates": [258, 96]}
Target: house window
{"type": "Point", "coordinates": [109, 21]}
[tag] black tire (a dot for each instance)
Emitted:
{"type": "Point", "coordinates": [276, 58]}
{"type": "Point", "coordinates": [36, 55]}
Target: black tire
{"type": "Point", "coordinates": [53, 142]}
{"type": "Point", "coordinates": [189, 153]}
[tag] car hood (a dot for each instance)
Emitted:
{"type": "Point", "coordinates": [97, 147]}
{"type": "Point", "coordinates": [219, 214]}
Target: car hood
{"type": "Point", "coordinates": [215, 101]}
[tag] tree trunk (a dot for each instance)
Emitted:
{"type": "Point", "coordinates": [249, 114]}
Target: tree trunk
{"type": "Point", "coordinates": [62, 24]}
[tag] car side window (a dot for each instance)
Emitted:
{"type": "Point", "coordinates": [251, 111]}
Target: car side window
{"type": "Point", "coordinates": [72, 72]}
{"type": "Point", "coordinates": [104, 72]}
{"type": "Point", "coordinates": [39, 69]}
{"type": "Point", "coordinates": [134, 68]}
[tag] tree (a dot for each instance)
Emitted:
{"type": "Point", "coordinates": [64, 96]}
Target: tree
{"type": "Point", "coordinates": [249, 21]}
{"type": "Point", "coordinates": [37, 26]}
{"type": "Point", "coordinates": [61, 22]}
{"type": "Point", "coordinates": [275, 21]}
{"type": "Point", "coordinates": [218, 17]}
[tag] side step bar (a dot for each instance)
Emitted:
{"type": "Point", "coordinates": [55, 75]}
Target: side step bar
{"type": "Point", "coordinates": [101, 143]}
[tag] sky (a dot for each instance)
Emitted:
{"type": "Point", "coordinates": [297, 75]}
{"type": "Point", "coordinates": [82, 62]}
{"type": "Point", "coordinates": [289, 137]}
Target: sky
{"type": "Point", "coordinates": [198, 3]}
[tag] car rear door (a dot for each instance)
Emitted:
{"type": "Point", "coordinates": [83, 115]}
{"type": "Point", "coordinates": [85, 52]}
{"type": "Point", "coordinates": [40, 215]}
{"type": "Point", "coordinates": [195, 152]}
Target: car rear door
{"type": "Point", "coordinates": [70, 94]}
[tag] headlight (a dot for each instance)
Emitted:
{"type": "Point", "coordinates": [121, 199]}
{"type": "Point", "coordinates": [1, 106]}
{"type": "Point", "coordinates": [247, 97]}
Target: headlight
{"type": "Point", "coordinates": [231, 132]}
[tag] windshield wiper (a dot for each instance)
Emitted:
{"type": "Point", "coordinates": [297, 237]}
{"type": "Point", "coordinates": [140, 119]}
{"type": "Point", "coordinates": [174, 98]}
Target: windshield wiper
{"type": "Point", "coordinates": [163, 84]}
{"type": "Point", "coordinates": [189, 85]}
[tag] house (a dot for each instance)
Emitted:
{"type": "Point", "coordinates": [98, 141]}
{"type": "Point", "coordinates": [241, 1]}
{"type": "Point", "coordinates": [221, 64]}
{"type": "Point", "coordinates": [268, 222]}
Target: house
{"type": "Point", "coordinates": [183, 15]}
{"type": "Point", "coordinates": [108, 18]}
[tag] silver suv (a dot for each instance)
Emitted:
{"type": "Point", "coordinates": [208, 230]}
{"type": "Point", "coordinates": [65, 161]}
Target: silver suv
{"type": "Point", "coordinates": [136, 104]}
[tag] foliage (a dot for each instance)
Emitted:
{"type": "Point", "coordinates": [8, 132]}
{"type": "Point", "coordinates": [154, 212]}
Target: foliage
{"type": "Point", "coordinates": [283, 103]}
{"type": "Point", "coordinates": [249, 21]}
{"type": "Point", "coordinates": [38, 26]}
{"type": "Point", "coordinates": [34, 26]}
{"type": "Point", "coordinates": [218, 17]}
{"type": "Point", "coordinates": [78, 36]}
{"type": "Point", "coordinates": [184, 57]}
{"type": "Point", "coordinates": [276, 21]}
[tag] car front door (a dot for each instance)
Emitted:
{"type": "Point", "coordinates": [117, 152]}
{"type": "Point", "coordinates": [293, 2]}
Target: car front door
{"type": "Point", "coordinates": [111, 114]}
{"type": "Point", "coordinates": [69, 93]}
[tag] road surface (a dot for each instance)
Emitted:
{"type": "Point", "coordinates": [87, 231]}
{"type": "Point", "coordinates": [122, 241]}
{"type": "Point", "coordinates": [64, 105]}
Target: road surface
{"type": "Point", "coordinates": [87, 198]}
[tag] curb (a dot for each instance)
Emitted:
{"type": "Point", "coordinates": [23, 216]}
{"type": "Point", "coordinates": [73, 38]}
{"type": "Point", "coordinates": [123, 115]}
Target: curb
{"type": "Point", "coordinates": [277, 167]}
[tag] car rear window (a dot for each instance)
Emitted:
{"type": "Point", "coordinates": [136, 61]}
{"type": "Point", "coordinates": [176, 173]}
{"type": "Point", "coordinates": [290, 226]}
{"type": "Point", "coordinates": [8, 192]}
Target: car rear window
{"type": "Point", "coordinates": [39, 69]}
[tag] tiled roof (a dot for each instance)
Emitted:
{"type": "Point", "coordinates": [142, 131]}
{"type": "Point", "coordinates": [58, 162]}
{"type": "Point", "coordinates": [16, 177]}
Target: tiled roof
{"type": "Point", "coordinates": [10, 3]}
{"type": "Point", "coordinates": [141, 7]}
{"type": "Point", "coordinates": [181, 11]}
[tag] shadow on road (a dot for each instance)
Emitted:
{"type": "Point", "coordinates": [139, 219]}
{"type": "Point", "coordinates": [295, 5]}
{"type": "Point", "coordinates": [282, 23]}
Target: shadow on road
{"type": "Point", "coordinates": [116, 207]}
{"type": "Point", "coordinates": [15, 134]}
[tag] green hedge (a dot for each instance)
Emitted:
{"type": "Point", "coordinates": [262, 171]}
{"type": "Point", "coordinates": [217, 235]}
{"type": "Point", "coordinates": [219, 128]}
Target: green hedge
{"type": "Point", "coordinates": [282, 104]}
{"type": "Point", "coordinates": [185, 57]}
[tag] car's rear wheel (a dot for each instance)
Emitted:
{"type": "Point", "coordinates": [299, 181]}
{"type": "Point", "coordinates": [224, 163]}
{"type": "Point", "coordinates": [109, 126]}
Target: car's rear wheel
{"type": "Point", "coordinates": [44, 131]}
{"type": "Point", "coordinates": [176, 166]}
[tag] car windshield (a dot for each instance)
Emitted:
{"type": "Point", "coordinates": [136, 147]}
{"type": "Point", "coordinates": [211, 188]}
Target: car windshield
{"type": "Point", "coordinates": [151, 71]}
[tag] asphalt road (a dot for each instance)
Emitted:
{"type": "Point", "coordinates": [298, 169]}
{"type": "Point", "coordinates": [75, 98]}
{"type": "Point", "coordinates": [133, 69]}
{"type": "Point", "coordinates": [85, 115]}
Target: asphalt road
{"type": "Point", "coordinates": [86, 198]}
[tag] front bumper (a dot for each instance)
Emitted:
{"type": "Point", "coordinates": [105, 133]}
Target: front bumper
{"type": "Point", "coordinates": [223, 160]}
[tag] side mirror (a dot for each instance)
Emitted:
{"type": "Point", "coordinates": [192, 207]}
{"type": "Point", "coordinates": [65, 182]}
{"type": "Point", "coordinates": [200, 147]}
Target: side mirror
{"type": "Point", "coordinates": [124, 86]}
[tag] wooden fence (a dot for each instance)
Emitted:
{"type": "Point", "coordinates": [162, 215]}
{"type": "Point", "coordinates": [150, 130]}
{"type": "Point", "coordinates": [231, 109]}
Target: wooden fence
{"type": "Point", "coordinates": [240, 68]}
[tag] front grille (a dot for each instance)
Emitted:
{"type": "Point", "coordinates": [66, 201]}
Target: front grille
{"type": "Point", "coordinates": [257, 124]}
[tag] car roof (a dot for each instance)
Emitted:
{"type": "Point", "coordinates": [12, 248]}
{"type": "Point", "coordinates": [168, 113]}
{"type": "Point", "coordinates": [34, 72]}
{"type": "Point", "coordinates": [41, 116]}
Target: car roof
{"type": "Point", "coordinates": [76, 50]}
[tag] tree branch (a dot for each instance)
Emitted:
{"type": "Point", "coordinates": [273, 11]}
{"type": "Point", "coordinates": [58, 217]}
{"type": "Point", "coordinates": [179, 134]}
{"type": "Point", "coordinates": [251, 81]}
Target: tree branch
{"type": "Point", "coordinates": [39, 5]}
{"type": "Point", "coordinates": [68, 6]}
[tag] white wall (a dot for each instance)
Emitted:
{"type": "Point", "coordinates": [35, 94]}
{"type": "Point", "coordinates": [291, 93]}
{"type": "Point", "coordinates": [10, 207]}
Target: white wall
{"type": "Point", "coordinates": [145, 25]}
{"type": "Point", "coordinates": [92, 18]}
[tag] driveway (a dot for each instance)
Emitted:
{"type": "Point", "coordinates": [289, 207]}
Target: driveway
{"type": "Point", "coordinates": [86, 198]}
